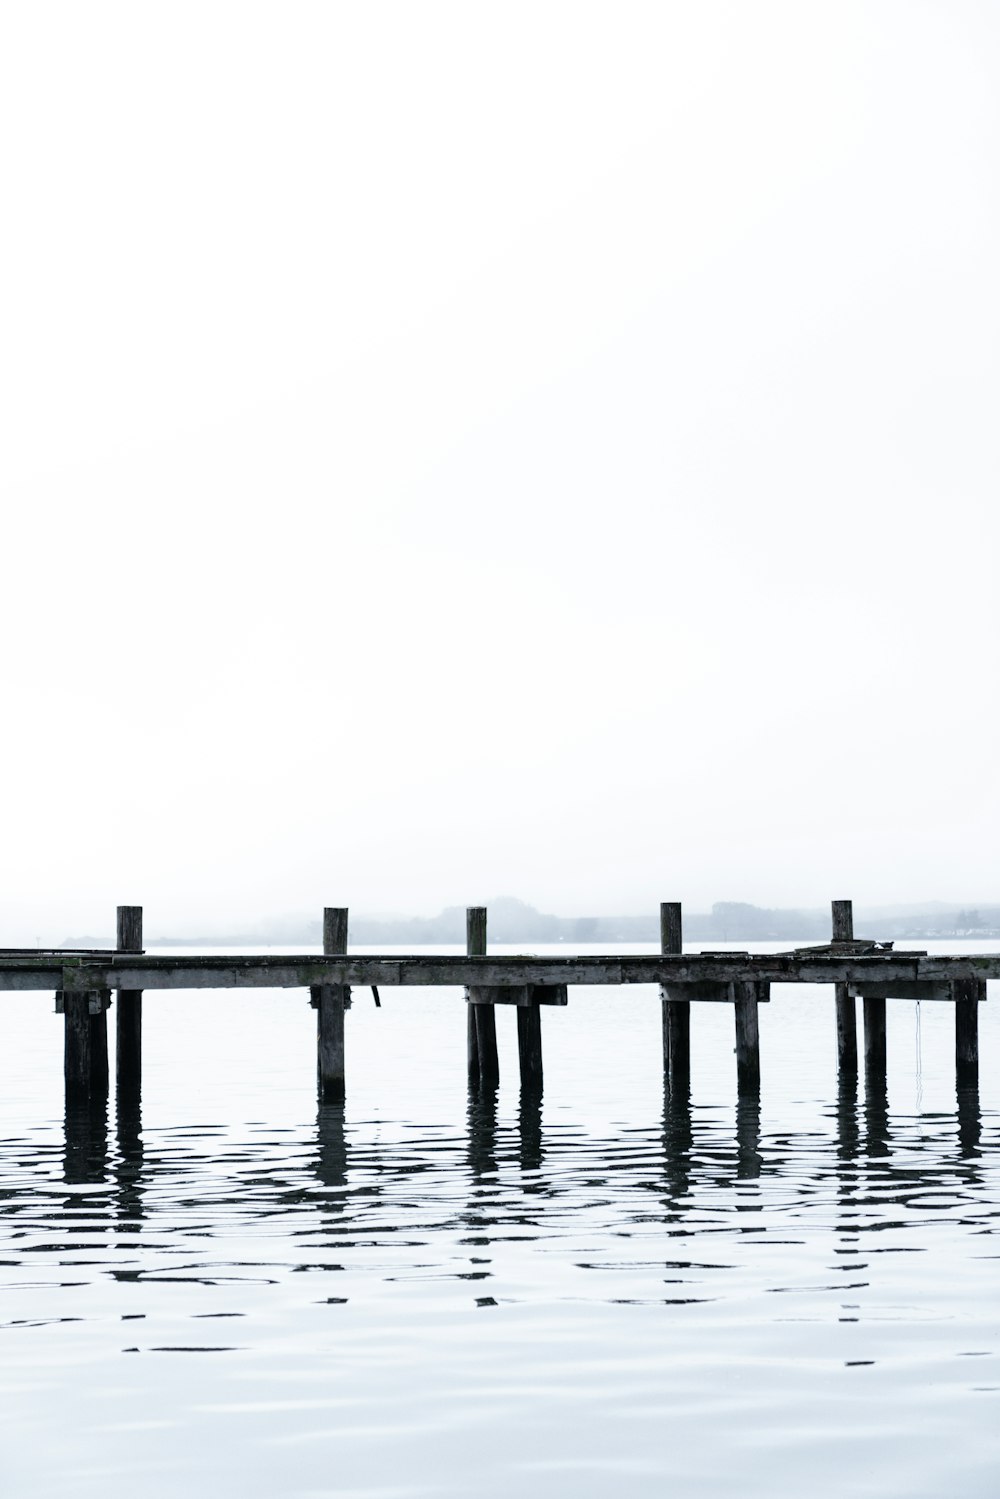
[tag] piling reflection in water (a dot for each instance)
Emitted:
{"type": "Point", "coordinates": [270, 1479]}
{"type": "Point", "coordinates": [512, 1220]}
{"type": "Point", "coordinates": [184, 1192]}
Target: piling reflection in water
{"type": "Point", "coordinates": [85, 1137]}
{"type": "Point", "coordinates": [508, 1168]}
{"type": "Point", "coordinates": [128, 1168]}
{"type": "Point", "coordinates": [748, 1135]}
{"type": "Point", "coordinates": [970, 1121]}
{"type": "Point", "coordinates": [331, 1146]}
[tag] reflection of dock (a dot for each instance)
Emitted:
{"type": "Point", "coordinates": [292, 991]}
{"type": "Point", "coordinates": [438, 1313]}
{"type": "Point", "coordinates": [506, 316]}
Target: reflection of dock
{"type": "Point", "coordinates": [84, 980]}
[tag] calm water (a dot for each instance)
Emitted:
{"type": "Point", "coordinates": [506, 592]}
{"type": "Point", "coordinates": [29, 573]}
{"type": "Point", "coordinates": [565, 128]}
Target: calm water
{"type": "Point", "coordinates": [239, 1294]}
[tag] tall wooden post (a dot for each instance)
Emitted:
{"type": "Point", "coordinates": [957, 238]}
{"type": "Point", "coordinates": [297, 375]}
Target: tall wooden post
{"type": "Point", "coordinates": [331, 1001]}
{"type": "Point", "coordinates": [128, 1030]}
{"type": "Point", "coordinates": [85, 1048]}
{"type": "Point", "coordinates": [484, 1064]}
{"type": "Point", "coordinates": [747, 1036]}
{"type": "Point", "coordinates": [529, 1042]}
{"type": "Point", "coordinates": [475, 947]}
{"type": "Point", "coordinates": [967, 994]}
{"type": "Point", "coordinates": [874, 1013]}
{"type": "Point", "coordinates": [847, 1016]}
{"type": "Point", "coordinates": [76, 1046]}
{"type": "Point", "coordinates": [676, 1013]}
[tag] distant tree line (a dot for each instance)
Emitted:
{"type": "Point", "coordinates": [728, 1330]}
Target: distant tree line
{"type": "Point", "coordinates": [514, 921]}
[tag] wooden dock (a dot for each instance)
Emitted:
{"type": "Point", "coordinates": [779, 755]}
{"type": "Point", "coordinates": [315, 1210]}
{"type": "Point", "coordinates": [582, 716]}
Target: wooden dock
{"type": "Point", "coordinates": [83, 982]}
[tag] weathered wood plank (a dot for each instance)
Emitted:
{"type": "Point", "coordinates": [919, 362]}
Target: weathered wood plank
{"type": "Point", "coordinates": [155, 971]}
{"type": "Point", "coordinates": [704, 991]}
{"type": "Point", "coordinates": [518, 994]}
{"type": "Point", "coordinates": [924, 990]}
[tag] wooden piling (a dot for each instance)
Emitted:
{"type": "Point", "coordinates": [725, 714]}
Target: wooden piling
{"type": "Point", "coordinates": [85, 1046]}
{"type": "Point", "coordinates": [331, 1002]}
{"type": "Point", "coordinates": [847, 1012]}
{"type": "Point", "coordinates": [484, 1064]}
{"type": "Point", "coordinates": [967, 994]}
{"type": "Point", "coordinates": [100, 1003]}
{"type": "Point", "coordinates": [529, 1044]}
{"type": "Point", "coordinates": [676, 1013]}
{"type": "Point", "coordinates": [746, 995]}
{"type": "Point", "coordinates": [128, 1029]}
{"type": "Point", "coordinates": [76, 1048]}
{"type": "Point", "coordinates": [475, 947]}
{"type": "Point", "coordinates": [874, 1013]}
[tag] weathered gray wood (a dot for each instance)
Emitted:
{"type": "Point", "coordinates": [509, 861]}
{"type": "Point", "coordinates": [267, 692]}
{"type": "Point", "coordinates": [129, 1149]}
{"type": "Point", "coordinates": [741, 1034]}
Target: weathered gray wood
{"type": "Point", "coordinates": [475, 947]}
{"type": "Point", "coordinates": [675, 1013]}
{"type": "Point", "coordinates": [747, 1036]}
{"type": "Point", "coordinates": [529, 1045]}
{"type": "Point", "coordinates": [331, 1002]}
{"type": "Point", "coordinates": [334, 930]}
{"type": "Point", "coordinates": [671, 926]}
{"type": "Point", "coordinates": [85, 1045]}
{"type": "Point", "coordinates": [874, 1013]}
{"type": "Point", "coordinates": [99, 1074]}
{"type": "Point", "coordinates": [842, 913]}
{"type": "Point", "coordinates": [76, 1046]}
{"type": "Point", "coordinates": [331, 1074]}
{"type": "Point", "coordinates": [486, 1043]}
{"type": "Point", "coordinates": [475, 931]}
{"type": "Point", "coordinates": [520, 994]}
{"type": "Point", "coordinates": [967, 993]}
{"type": "Point", "coordinates": [930, 991]}
{"type": "Point", "coordinates": [481, 1016]}
{"type": "Point", "coordinates": [128, 1029]}
{"type": "Point", "coordinates": [847, 1011]}
{"type": "Point", "coordinates": [271, 971]}
{"type": "Point", "coordinates": [705, 991]}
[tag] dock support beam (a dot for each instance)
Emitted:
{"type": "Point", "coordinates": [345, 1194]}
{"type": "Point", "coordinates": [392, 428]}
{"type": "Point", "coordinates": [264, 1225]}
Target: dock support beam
{"type": "Point", "coordinates": [128, 1029]}
{"type": "Point", "coordinates": [331, 1002]}
{"type": "Point", "coordinates": [676, 1012]}
{"type": "Point", "coordinates": [967, 994]}
{"type": "Point", "coordinates": [85, 1054]}
{"type": "Point", "coordinates": [484, 1064]}
{"type": "Point", "coordinates": [847, 1014]}
{"type": "Point", "coordinates": [874, 1010]}
{"type": "Point", "coordinates": [746, 994]}
{"type": "Point", "coordinates": [529, 1044]}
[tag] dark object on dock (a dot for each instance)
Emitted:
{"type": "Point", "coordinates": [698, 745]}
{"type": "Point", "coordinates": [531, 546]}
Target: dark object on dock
{"type": "Point", "coordinates": [874, 971]}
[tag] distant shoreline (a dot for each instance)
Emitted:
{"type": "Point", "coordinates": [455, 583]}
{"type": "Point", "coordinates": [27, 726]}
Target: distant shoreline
{"type": "Point", "coordinates": [512, 920]}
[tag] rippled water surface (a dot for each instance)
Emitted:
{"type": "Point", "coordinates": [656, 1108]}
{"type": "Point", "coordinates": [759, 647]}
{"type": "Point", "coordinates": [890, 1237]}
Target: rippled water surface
{"type": "Point", "coordinates": [233, 1292]}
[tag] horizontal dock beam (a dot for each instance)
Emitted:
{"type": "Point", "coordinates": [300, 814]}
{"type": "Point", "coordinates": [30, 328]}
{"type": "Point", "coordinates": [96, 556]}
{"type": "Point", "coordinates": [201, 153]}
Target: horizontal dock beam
{"type": "Point", "coordinates": [883, 971]}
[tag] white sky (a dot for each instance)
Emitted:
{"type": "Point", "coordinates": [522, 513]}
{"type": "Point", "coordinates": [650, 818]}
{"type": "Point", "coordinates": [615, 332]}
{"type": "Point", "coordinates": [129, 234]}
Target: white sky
{"type": "Point", "coordinates": [539, 448]}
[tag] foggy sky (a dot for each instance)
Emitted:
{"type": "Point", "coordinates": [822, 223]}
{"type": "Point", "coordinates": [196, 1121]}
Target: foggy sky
{"type": "Point", "coordinates": [457, 449]}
